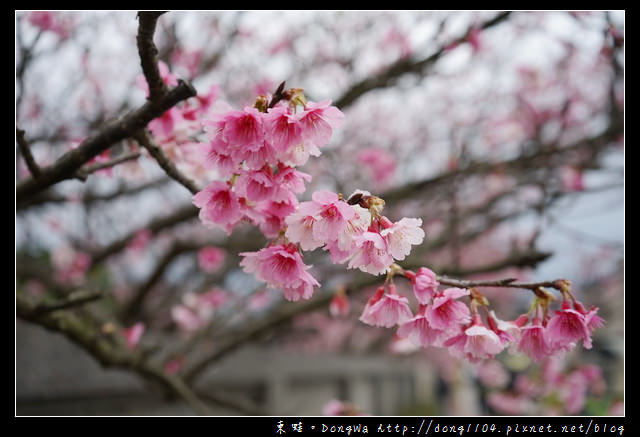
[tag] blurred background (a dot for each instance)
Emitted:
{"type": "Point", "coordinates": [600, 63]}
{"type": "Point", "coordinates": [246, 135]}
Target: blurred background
{"type": "Point", "coordinates": [503, 131]}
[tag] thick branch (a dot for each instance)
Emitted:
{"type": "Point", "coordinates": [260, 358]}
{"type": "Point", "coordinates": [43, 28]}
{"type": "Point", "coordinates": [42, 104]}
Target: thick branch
{"type": "Point", "coordinates": [83, 331]}
{"type": "Point", "coordinates": [72, 300]}
{"type": "Point", "coordinates": [115, 131]}
{"type": "Point", "coordinates": [26, 153]}
{"type": "Point", "coordinates": [149, 54]}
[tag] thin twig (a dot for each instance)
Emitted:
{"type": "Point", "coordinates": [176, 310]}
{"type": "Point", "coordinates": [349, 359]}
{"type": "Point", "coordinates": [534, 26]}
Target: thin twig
{"type": "Point", "coordinates": [145, 140]}
{"type": "Point", "coordinates": [86, 171]}
{"type": "Point", "coordinates": [26, 153]}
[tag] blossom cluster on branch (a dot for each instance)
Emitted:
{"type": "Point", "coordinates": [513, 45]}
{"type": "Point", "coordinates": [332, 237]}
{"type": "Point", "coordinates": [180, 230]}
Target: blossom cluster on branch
{"type": "Point", "coordinates": [256, 151]}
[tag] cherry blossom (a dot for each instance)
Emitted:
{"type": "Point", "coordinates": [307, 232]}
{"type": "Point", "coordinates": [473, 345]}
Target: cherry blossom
{"type": "Point", "coordinates": [424, 283]}
{"type": "Point", "coordinates": [567, 327]}
{"type": "Point", "coordinates": [219, 206]}
{"type": "Point", "coordinates": [281, 266]}
{"type": "Point", "coordinates": [446, 312]}
{"type": "Point", "coordinates": [390, 310]}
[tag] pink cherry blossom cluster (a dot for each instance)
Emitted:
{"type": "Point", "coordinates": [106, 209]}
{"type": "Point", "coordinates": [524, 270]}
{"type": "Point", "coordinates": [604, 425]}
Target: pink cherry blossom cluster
{"type": "Point", "coordinates": [444, 320]}
{"type": "Point", "coordinates": [255, 152]}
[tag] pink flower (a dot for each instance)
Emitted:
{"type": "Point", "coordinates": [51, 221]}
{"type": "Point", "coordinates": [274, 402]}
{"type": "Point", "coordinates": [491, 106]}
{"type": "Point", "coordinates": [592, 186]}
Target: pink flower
{"type": "Point", "coordinates": [401, 235]}
{"type": "Point", "coordinates": [371, 254]}
{"type": "Point", "coordinates": [567, 327]}
{"type": "Point", "coordinates": [322, 220]}
{"type": "Point", "coordinates": [476, 342]}
{"type": "Point", "coordinates": [318, 121]}
{"type": "Point", "coordinates": [300, 226]}
{"type": "Point", "coordinates": [288, 179]}
{"type": "Point", "coordinates": [242, 129]}
{"type": "Point", "coordinates": [210, 258]}
{"type": "Point", "coordinates": [282, 129]}
{"type": "Point", "coordinates": [425, 285]}
{"type": "Point", "coordinates": [281, 266]}
{"type": "Point", "coordinates": [419, 331]}
{"type": "Point", "coordinates": [591, 317]}
{"type": "Point", "coordinates": [508, 332]}
{"type": "Point", "coordinates": [256, 185]}
{"type": "Point", "coordinates": [390, 310]}
{"type": "Point", "coordinates": [355, 226]}
{"type": "Point", "coordinates": [332, 215]}
{"type": "Point", "coordinates": [218, 155]}
{"type": "Point", "coordinates": [255, 159]}
{"type": "Point", "coordinates": [270, 216]}
{"type": "Point", "coordinates": [446, 312]}
{"type": "Point", "coordinates": [533, 341]}
{"type": "Point", "coordinates": [133, 334]}
{"type": "Point", "coordinates": [219, 206]}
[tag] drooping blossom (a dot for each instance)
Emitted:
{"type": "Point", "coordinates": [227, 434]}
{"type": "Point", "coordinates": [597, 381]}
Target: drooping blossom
{"type": "Point", "coordinates": [447, 312]}
{"type": "Point", "coordinates": [281, 266]}
{"type": "Point", "coordinates": [419, 331]}
{"type": "Point", "coordinates": [210, 258]}
{"type": "Point", "coordinates": [533, 341]}
{"type": "Point", "coordinates": [567, 327]}
{"type": "Point", "coordinates": [390, 310]}
{"type": "Point", "coordinates": [508, 332]}
{"type": "Point", "coordinates": [476, 342]}
{"type": "Point", "coordinates": [219, 206]}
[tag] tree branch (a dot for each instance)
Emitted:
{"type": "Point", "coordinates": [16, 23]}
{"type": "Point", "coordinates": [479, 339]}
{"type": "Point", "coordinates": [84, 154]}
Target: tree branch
{"type": "Point", "coordinates": [145, 140]}
{"type": "Point", "coordinates": [26, 153]}
{"type": "Point", "coordinates": [67, 165]}
{"type": "Point", "coordinates": [148, 53]}
{"type": "Point", "coordinates": [404, 66]}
